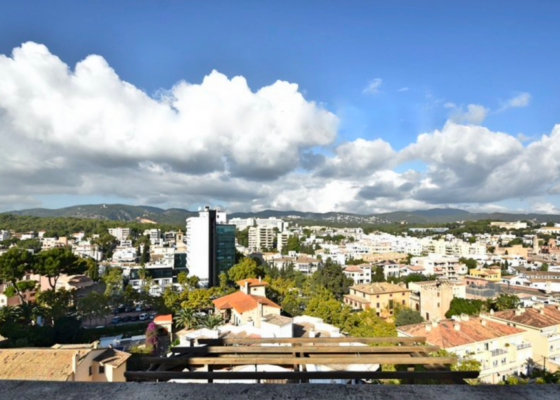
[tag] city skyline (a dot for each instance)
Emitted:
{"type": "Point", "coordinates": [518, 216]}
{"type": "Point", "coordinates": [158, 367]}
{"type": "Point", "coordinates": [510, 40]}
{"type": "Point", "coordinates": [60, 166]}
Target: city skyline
{"type": "Point", "coordinates": [343, 112]}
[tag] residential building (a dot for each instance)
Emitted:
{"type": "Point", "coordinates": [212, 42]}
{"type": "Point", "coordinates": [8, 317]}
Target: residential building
{"type": "Point", "coordinates": [358, 273]}
{"type": "Point", "coordinates": [282, 240]}
{"type": "Point", "coordinates": [261, 238]}
{"type": "Point", "coordinates": [242, 223]}
{"type": "Point", "coordinates": [541, 324]}
{"type": "Point", "coordinates": [83, 363]}
{"type": "Point", "coordinates": [391, 269]}
{"type": "Point", "coordinates": [4, 235]}
{"type": "Point", "coordinates": [412, 269]}
{"type": "Point", "coordinates": [432, 299]}
{"type": "Point", "coordinates": [154, 235]}
{"type": "Point", "coordinates": [492, 274]}
{"type": "Point", "coordinates": [442, 266]}
{"type": "Point", "coordinates": [120, 233]}
{"type": "Point", "coordinates": [381, 296]}
{"type": "Point", "coordinates": [249, 304]}
{"type": "Point", "coordinates": [501, 350]}
{"type": "Point", "coordinates": [509, 225]}
{"type": "Point", "coordinates": [210, 245]}
{"type": "Point", "coordinates": [86, 249]}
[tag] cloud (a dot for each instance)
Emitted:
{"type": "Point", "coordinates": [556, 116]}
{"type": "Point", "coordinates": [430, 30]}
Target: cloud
{"type": "Point", "coordinates": [373, 86]}
{"type": "Point", "coordinates": [521, 100]}
{"type": "Point", "coordinates": [474, 114]}
{"type": "Point", "coordinates": [403, 89]}
{"type": "Point", "coordinates": [82, 131]}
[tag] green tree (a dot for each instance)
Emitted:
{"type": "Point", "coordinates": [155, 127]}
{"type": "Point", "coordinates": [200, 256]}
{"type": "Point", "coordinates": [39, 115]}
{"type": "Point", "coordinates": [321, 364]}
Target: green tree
{"type": "Point", "coordinates": [544, 267]}
{"type": "Point", "coordinates": [331, 277]}
{"type": "Point", "coordinates": [187, 318]}
{"type": "Point", "coordinates": [322, 304]}
{"type": "Point", "coordinates": [242, 236]}
{"type": "Point", "coordinates": [92, 269]}
{"type": "Point", "coordinates": [55, 304]}
{"type": "Point", "coordinates": [145, 257]}
{"type": "Point", "coordinates": [470, 262]}
{"type": "Point", "coordinates": [93, 306]}
{"type": "Point", "coordinates": [378, 275]}
{"type": "Point", "coordinates": [198, 299]}
{"type": "Point", "coordinates": [460, 306]}
{"type": "Point", "coordinates": [502, 302]}
{"type": "Point", "coordinates": [210, 321]}
{"type": "Point", "coordinates": [58, 261]}
{"type": "Point", "coordinates": [407, 316]}
{"type": "Point", "coordinates": [113, 284]}
{"type": "Point", "coordinates": [246, 268]}
{"type": "Point", "coordinates": [14, 265]}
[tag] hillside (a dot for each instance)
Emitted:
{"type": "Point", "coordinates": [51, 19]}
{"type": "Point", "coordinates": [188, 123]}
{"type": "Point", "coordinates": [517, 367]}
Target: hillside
{"type": "Point", "coordinates": [177, 216]}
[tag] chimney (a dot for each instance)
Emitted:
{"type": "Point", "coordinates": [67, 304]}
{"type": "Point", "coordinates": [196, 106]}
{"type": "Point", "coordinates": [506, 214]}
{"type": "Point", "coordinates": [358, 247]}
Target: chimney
{"type": "Point", "coordinates": [434, 323]}
{"type": "Point", "coordinates": [491, 312]}
{"type": "Point", "coordinates": [464, 317]}
{"type": "Point", "coordinates": [75, 362]}
{"type": "Point", "coordinates": [260, 279]}
{"type": "Point", "coordinates": [246, 287]}
{"type": "Point", "coordinates": [428, 327]}
{"type": "Point", "coordinates": [457, 326]}
{"type": "Point", "coordinates": [541, 311]}
{"type": "Point", "coordinates": [483, 322]}
{"type": "Point", "coordinates": [312, 333]}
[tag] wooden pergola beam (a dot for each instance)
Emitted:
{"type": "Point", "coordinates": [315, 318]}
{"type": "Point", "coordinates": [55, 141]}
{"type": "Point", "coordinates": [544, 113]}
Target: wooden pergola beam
{"type": "Point", "coordinates": [222, 341]}
{"type": "Point", "coordinates": [302, 349]}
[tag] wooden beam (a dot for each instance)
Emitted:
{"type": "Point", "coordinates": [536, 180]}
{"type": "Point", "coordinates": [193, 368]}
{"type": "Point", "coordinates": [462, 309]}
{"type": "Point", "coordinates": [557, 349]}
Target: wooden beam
{"type": "Point", "coordinates": [418, 339]}
{"type": "Point", "coordinates": [454, 376]}
{"type": "Point", "coordinates": [368, 359]}
{"type": "Point", "coordinates": [302, 349]}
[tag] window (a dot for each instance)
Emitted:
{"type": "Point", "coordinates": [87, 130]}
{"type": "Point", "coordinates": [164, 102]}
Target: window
{"type": "Point", "coordinates": [391, 305]}
{"type": "Point", "coordinates": [377, 305]}
{"type": "Point", "coordinates": [101, 369]}
{"type": "Point", "coordinates": [403, 302]}
{"type": "Point", "coordinates": [90, 370]}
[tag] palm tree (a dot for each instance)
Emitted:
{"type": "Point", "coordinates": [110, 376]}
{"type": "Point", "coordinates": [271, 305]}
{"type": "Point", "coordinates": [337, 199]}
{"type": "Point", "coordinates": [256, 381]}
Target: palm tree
{"type": "Point", "coordinates": [211, 321]}
{"type": "Point", "coordinates": [187, 318]}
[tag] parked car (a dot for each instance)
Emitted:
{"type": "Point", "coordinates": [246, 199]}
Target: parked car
{"type": "Point", "coordinates": [152, 315]}
{"type": "Point", "coordinates": [129, 309]}
{"type": "Point", "coordinates": [116, 320]}
{"type": "Point", "coordinates": [134, 317]}
{"type": "Point", "coordinates": [139, 309]}
{"type": "Point", "coordinates": [143, 317]}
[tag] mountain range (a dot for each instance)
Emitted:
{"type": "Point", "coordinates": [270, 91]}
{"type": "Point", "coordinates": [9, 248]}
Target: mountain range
{"type": "Point", "coordinates": [177, 216]}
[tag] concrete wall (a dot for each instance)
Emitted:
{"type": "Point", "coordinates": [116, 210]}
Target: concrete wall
{"type": "Point", "coordinates": [149, 391]}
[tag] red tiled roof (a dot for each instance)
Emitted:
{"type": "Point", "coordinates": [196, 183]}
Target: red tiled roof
{"type": "Point", "coordinates": [353, 268]}
{"type": "Point", "coordinates": [252, 282]}
{"type": "Point", "coordinates": [446, 336]}
{"type": "Point", "coordinates": [242, 302]}
{"type": "Point", "coordinates": [163, 318]}
{"type": "Point", "coordinates": [532, 316]}
{"type": "Point", "coordinates": [415, 267]}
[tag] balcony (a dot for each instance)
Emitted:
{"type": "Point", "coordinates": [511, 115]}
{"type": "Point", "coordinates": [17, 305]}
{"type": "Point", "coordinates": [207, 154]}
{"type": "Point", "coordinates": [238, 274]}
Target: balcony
{"type": "Point", "coordinates": [498, 352]}
{"type": "Point", "coordinates": [523, 346]}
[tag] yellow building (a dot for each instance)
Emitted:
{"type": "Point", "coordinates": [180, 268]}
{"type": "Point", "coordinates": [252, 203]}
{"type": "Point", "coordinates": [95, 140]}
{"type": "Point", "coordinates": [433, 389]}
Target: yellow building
{"type": "Point", "coordinates": [541, 324]}
{"type": "Point", "coordinates": [84, 363]}
{"type": "Point", "coordinates": [381, 296]}
{"type": "Point", "coordinates": [500, 349]}
{"type": "Point", "coordinates": [490, 274]}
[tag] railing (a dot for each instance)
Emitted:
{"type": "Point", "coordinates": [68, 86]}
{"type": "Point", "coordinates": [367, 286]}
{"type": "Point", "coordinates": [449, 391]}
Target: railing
{"type": "Point", "coordinates": [523, 346]}
{"type": "Point", "coordinates": [219, 356]}
{"type": "Point", "coordinates": [498, 352]}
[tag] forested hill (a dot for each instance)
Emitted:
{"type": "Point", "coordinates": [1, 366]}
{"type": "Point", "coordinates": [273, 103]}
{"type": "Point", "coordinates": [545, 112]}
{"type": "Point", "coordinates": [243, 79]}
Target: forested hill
{"type": "Point", "coordinates": [176, 216]}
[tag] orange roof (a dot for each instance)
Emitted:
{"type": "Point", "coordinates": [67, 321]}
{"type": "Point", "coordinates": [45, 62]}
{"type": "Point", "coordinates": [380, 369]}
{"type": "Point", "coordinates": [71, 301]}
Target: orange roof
{"type": "Point", "coordinates": [353, 268]}
{"type": "Point", "coordinates": [446, 336]}
{"type": "Point", "coordinates": [164, 318]}
{"type": "Point", "coordinates": [252, 282]}
{"type": "Point", "coordinates": [550, 316]}
{"type": "Point", "coordinates": [242, 302]}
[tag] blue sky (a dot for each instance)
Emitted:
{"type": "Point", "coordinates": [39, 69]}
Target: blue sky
{"type": "Point", "coordinates": [425, 54]}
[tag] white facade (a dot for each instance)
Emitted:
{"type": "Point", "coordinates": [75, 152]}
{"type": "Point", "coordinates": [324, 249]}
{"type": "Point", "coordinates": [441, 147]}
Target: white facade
{"type": "Point", "coordinates": [120, 233]}
{"type": "Point", "coordinates": [4, 235]}
{"type": "Point", "coordinates": [260, 238]}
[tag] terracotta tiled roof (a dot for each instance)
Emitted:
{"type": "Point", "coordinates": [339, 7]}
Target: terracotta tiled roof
{"type": "Point", "coordinates": [446, 336]}
{"type": "Point", "coordinates": [415, 267]}
{"type": "Point", "coordinates": [39, 364]}
{"type": "Point", "coordinates": [242, 302]}
{"type": "Point", "coordinates": [163, 318]}
{"type": "Point", "coordinates": [353, 268]}
{"type": "Point", "coordinates": [112, 357]}
{"type": "Point", "coordinates": [252, 282]}
{"type": "Point", "coordinates": [379, 287]}
{"type": "Point", "coordinates": [532, 317]}
{"type": "Point", "coordinates": [356, 298]}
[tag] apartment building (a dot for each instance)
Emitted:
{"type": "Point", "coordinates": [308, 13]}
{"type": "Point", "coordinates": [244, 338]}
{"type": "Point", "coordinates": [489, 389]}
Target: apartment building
{"type": "Point", "coordinates": [541, 324]}
{"type": "Point", "coordinates": [445, 267]}
{"type": "Point", "coordinates": [4, 235]}
{"type": "Point", "coordinates": [390, 268]}
{"type": "Point", "coordinates": [432, 299]}
{"type": "Point", "coordinates": [154, 235]}
{"type": "Point", "coordinates": [492, 274]}
{"type": "Point", "coordinates": [210, 245]}
{"type": "Point", "coordinates": [261, 238]}
{"type": "Point", "coordinates": [381, 296]}
{"type": "Point", "coordinates": [509, 225]}
{"type": "Point", "coordinates": [358, 273]}
{"type": "Point", "coordinates": [282, 240]}
{"type": "Point", "coordinates": [502, 350]}
{"type": "Point", "coordinates": [120, 233]}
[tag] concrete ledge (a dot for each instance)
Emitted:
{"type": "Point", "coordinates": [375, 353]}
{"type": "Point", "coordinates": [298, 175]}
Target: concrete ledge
{"type": "Point", "coordinates": [41, 390]}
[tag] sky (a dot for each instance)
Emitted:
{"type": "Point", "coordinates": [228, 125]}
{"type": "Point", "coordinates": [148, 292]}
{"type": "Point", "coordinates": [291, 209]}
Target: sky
{"type": "Point", "coordinates": [355, 106]}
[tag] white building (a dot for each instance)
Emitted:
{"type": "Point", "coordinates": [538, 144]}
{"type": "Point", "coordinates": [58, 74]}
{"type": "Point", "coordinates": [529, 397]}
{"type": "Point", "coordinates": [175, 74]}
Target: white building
{"type": "Point", "coordinates": [358, 273]}
{"type": "Point", "coordinates": [205, 239]}
{"type": "Point", "coordinates": [120, 233]}
{"type": "Point", "coordinates": [154, 235]}
{"type": "Point", "coordinates": [5, 235]}
{"type": "Point", "coordinates": [86, 249]}
{"type": "Point", "coordinates": [261, 238]}
{"type": "Point", "coordinates": [242, 223]}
